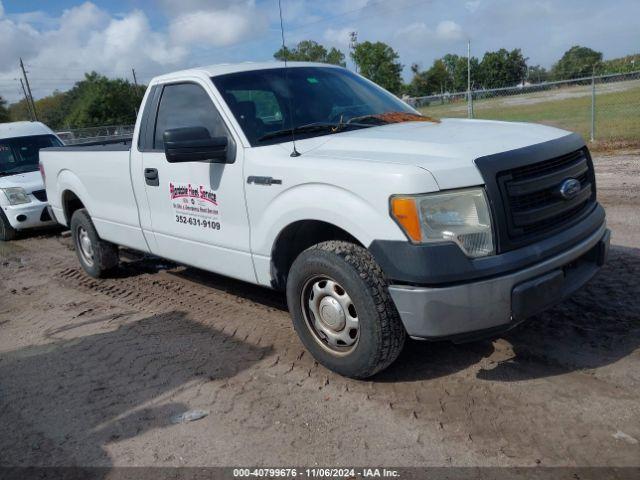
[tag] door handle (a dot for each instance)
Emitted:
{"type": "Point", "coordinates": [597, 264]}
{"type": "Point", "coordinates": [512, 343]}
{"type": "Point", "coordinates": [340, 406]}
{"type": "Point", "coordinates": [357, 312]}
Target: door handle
{"type": "Point", "coordinates": [151, 177]}
{"type": "Point", "coordinates": [264, 180]}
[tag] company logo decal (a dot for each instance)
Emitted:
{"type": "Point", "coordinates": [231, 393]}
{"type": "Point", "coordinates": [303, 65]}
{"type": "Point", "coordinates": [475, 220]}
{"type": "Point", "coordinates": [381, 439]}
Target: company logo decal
{"type": "Point", "coordinates": [569, 188]}
{"type": "Point", "coordinates": [181, 191]}
{"type": "Point", "coordinates": [195, 207]}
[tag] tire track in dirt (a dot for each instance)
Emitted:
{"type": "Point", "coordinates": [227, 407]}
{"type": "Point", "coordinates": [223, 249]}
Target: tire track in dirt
{"type": "Point", "coordinates": [435, 386]}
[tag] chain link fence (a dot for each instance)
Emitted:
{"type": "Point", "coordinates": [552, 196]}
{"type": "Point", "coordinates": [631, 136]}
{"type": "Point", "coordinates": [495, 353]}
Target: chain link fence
{"type": "Point", "coordinates": [603, 108]}
{"type": "Point", "coordinates": [95, 134]}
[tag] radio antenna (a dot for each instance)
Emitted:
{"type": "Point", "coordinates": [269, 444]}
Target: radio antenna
{"type": "Point", "coordinates": [295, 152]}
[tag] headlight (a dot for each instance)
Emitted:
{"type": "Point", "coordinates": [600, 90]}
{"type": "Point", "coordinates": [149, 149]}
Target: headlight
{"type": "Point", "coordinates": [460, 216]}
{"type": "Point", "coordinates": [16, 195]}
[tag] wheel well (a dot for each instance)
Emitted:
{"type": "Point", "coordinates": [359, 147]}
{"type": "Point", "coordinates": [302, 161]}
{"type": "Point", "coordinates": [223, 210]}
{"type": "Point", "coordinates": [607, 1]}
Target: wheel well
{"type": "Point", "coordinates": [70, 203]}
{"type": "Point", "coordinates": [296, 238]}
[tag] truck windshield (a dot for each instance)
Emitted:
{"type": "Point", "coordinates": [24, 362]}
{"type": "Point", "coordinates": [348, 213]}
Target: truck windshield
{"type": "Point", "coordinates": [20, 154]}
{"type": "Point", "coordinates": [317, 97]}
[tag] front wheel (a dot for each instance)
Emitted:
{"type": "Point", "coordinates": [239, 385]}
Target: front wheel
{"type": "Point", "coordinates": [96, 256]}
{"type": "Point", "coordinates": [7, 232]}
{"type": "Point", "coordinates": [342, 310]}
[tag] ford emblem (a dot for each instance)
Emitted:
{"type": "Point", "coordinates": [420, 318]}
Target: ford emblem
{"type": "Point", "coordinates": [569, 188]}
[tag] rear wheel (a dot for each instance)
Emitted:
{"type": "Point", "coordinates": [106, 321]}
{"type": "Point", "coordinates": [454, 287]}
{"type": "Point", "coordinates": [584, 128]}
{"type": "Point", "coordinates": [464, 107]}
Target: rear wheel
{"type": "Point", "coordinates": [7, 232]}
{"type": "Point", "coordinates": [97, 257]}
{"type": "Point", "coordinates": [342, 311]}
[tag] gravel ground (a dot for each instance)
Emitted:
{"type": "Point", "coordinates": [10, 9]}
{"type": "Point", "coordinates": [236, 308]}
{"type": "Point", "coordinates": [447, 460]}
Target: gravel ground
{"type": "Point", "coordinates": [92, 372]}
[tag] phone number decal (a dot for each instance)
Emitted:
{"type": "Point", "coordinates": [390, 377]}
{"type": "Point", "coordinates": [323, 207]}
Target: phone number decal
{"type": "Point", "coordinates": [196, 222]}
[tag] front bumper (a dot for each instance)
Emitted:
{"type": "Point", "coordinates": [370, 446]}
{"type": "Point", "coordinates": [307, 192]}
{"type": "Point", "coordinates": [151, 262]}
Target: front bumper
{"type": "Point", "coordinates": [28, 215]}
{"type": "Point", "coordinates": [477, 308]}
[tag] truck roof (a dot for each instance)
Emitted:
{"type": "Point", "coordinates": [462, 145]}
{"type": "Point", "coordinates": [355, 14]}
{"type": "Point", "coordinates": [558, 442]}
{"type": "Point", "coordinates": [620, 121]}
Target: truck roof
{"type": "Point", "coordinates": [23, 129]}
{"type": "Point", "coordinates": [224, 68]}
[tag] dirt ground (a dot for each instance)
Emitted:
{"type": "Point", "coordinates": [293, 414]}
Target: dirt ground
{"type": "Point", "coordinates": [92, 372]}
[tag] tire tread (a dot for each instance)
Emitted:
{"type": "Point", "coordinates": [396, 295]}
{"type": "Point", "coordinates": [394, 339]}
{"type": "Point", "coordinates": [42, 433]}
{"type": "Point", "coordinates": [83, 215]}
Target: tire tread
{"type": "Point", "coordinates": [393, 334]}
{"type": "Point", "coordinates": [106, 256]}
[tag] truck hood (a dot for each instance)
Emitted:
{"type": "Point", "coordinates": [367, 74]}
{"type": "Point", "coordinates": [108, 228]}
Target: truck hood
{"type": "Point", "coordinates": [30, 181]}
{"type": "Point", "coordinates": [446, 149]}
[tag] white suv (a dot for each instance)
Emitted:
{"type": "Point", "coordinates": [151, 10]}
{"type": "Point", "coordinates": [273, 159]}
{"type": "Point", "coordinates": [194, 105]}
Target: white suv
{"type": "Point", "coordinates": [23, 199]}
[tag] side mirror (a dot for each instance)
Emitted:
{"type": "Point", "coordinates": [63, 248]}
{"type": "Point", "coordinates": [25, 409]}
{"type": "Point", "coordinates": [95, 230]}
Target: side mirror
{"type": "Point", "coordinates": [194, 144]}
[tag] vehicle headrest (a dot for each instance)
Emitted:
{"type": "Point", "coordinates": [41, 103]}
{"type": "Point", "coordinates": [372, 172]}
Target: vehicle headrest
{"type": "Point", "coordinates": [246, 110]}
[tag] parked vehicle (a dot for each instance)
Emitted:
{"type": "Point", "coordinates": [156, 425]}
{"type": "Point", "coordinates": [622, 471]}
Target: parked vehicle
{"type": "Point", "coordinates": [23, 202]}
{"type": "Point", "coordinates": [378, 222]}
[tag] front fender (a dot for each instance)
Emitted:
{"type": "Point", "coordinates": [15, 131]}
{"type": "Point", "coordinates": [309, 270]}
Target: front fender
{"type": "Point", "coordinates": [334, 205]}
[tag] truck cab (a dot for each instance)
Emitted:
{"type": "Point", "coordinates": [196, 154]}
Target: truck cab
{"type": "Point", "coordinates": [23, 200]}
{"type": "Point", "coordinates": [379, 223]}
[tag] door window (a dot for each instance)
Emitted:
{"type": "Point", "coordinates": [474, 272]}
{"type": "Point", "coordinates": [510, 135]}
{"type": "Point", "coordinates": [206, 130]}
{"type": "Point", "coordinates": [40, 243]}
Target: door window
{"type": "Point", "coordinates": [187, 105]}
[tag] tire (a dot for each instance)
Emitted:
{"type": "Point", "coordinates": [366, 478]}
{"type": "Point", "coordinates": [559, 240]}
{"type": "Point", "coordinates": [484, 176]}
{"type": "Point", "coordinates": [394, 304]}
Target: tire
{"type": "Point", "coordinates": [96, 256]}
{"type": "Point", "coordinates": [7, 232]}
{"type": "Point", "coordinates": [343, 284]}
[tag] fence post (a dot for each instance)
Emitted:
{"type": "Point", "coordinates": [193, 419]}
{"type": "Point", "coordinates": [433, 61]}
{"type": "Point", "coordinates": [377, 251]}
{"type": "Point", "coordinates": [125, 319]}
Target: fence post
{"type": "Point", "coordinates": [593, 106]}
{"type": "Point", "coordinates": [469, 93]}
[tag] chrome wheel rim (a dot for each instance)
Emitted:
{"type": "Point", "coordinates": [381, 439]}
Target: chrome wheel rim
{"type": "Point", "coordinates": [330, 315]}
{"type": "Point", "coordinates": [85, 247]}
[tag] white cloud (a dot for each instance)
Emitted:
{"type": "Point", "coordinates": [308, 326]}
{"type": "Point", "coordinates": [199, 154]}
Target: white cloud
{"type": "Point", "coordinates": [472, 5]}
{"type": "Point", "coordinates": [338, 37]}
{"type": "Point", "coordinates": [449, 31]}
{"type": "Point", "coordinates": [215, 27]}
{"type": "Point", "coordinates": [59, 50]}
{"type": "Point", "coordinates": [86, 38]}
{"type": "Point", "coordinates": [418, 33]}
{"type": "Point", "coordinates": [177, 7]}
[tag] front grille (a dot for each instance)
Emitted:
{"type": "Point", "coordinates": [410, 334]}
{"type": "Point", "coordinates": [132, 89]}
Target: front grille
{"type": "Point", "coordinates": [531, 194]}
{"type": "Point", "coordinates": [40, 195]}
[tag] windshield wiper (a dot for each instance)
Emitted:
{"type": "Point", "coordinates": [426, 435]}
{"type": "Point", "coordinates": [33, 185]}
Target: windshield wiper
{"type": "Point", "coordinates": [312, 127]}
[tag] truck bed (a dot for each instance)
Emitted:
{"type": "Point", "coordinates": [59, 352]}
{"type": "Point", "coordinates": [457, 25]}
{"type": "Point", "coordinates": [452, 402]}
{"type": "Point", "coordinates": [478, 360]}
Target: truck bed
{"type": "Point", "coordinates": [99, 174]}
{"type": "Point", "coordinates": [114, 145]}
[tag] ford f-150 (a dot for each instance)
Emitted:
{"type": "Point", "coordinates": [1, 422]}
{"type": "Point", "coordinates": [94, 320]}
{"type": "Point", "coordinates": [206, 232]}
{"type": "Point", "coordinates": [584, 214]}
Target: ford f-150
{"type": "Point", "coordinates": [378, 222]}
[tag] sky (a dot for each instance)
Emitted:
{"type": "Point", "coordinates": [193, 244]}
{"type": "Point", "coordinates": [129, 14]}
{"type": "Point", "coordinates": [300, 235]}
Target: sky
{"type": "Point", "coordinates": [59, 40]}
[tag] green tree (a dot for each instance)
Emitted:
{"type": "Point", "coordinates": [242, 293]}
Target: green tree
{"type": "Point", "coordinates": [576, 62]}
{"type": "Point", "coordinates": [4, 112]}
{"type": "Point", "coordinates": [418, 85]}
{"type": "Point", "coordinates": [310, 51]}
{"type": "Point", "coordinates": [19, 111]}
{"type": "Point", "coordinates": [53, 109]}
{"type": "Point", "coordinates": [97, 100]}
{"type": "Point", "coordinates": [537, 74]}
{"type": "Point", "coordinates": [502, 68]}
{"type": "Point", "coordinates": [379, 63]}
{"type": "Point", "coordinates": [438, 79]}
{"type": "Point", "coordinates": [457, 68]}
{"type": "Point", "coordinates": [630, 63]}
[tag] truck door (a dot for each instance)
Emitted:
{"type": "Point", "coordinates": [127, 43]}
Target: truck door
{"type": "Point", "coordinates": [197, 209]}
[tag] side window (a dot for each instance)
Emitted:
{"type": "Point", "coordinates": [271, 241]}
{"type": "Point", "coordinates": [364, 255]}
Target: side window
{"type": "Point", "coordinates": [6, 156]}
{"type": "Point", "coordinates": [186, 105]}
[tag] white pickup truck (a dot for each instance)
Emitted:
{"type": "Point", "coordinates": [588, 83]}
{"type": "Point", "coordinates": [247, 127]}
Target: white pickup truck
{"type": "Point", "coordinates": [378, 222]}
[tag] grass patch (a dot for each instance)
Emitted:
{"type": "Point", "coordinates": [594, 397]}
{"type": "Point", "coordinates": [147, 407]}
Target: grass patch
{"type": "Point", "coordinates": [617, 112]}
